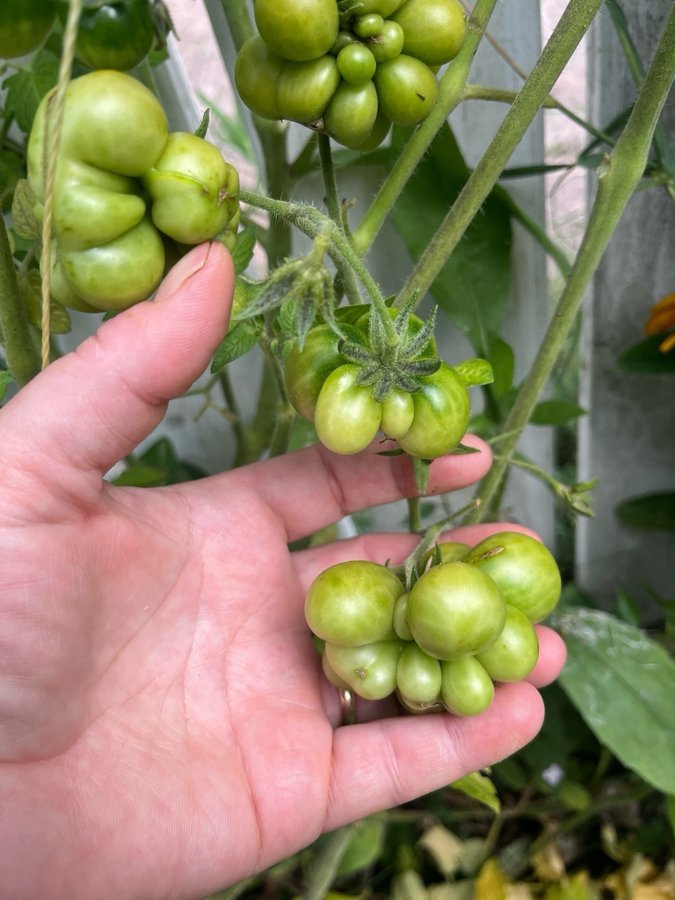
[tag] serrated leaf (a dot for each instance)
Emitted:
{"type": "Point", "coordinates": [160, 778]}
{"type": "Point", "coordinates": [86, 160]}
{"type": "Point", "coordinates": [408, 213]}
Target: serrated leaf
{"type": "Point", "coordinates": [646, 358]}
{"type": "Point", "coordinates": [269, 296]}
{"type": "Point", "coordinates": [26, 88]}
{"type": "Point", "coordinates": [652, 512]}
{"type": "Point", "coordinates": [5, 380]}
{"type": "Point", "coordinates": [24, 220]}
{"type": "Point", "coordinates": [243, 249]}
{"type": "Point", "coordinates": [479, 787]}
{"type": "Point", "coordinates": [473, 286]}
{"type": "Point", "coordinates": [474, 372]}
{"type": "Point", "coordinates": [622, 684]}
{"type": "Point", "coordinates": [556, 412]}
{"type": "Point", "coordinates": [237, 342]}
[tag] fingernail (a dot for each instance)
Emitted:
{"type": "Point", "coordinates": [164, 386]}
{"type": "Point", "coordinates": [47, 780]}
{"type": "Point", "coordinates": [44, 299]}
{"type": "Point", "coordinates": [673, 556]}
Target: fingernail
{"type": "Point", "coordinates": [182, 272]}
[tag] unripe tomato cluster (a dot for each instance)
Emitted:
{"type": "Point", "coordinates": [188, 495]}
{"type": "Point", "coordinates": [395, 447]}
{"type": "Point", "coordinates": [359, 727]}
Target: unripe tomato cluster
{"type": "Point", "coordinates": [466, 623]}
{"type": "Point", "coordinates": [324, 387]}
{"type": "Point", "coordinates": [348, 67]}
{"type": "Point", "coordinates": [123, 185]}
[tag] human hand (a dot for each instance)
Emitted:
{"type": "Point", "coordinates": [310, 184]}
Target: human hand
{"type": "Point", "coordinates": [164, 726]}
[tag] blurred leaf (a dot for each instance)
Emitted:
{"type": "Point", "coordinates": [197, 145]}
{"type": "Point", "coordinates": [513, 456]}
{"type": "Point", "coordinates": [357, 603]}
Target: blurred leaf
{"type": "Point", "coordinates": [408, 886]}
{"type": "Point", "coordinates": [11, 171]}
{"type": "Point", "coordinates": [646, 358]}
{"type": "Point", "coordinates": [502, 360]}
{"type": "Point", "coordinates": [578, 887]}
{"type": "Point", "coordinates": [490, 883]}
{"type": "Point", "coordinates": [5, 380]}
{"type": "Point", "coordinates": [30, 286]}
{"type": "Point", "coordinates": [243, 249]}
{"type": "Point", "coordinates": [365, 845]}
{"type": "Point", "coordinates": [651, 512]}
{"type": "Point", "coordinates": [444, 847]}
{"type": "Point", "coordinates": [555, 412]}
{"type": "Point", "coordinates": [156, 466]}
{"type": "Point", "coordinates": [28, 86]}
{"type": "Point", "coordinates": [479, 787]}
{"type": "Point", "coordinates": [141, 475]}
{"type": "Point", "coordinates": [24, 220]}
{"type": "Point", "coordinates": [237, 342]}
{"type": "Point", "coordinates": [473, 286]}
{"type": "Point", "coordinates": [622, 684]}
{"type": "Point", "coordinates": [670, 811]}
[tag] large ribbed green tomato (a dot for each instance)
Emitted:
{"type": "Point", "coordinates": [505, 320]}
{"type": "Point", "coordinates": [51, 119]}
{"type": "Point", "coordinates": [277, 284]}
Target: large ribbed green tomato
{"type": "Point", "coordinates": [523, 568]}
{"type": "Point", "coordinates": [434, 30]}
{"type": "Point", "coordinates": [453, 613]}
{"type": "Point", "coordinates": [352, 603]}
{"type": "Point", "coordinates": [299, 30]}
{"type": "Point", "coordinates": [347, 416]}
{"type": "Point", "coordinates": [442, 411]}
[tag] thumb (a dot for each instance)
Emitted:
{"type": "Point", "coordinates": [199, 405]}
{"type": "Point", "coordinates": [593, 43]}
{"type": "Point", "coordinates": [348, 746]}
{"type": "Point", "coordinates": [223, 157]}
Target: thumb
{"type": "Point", "coordinates": [93, 406]}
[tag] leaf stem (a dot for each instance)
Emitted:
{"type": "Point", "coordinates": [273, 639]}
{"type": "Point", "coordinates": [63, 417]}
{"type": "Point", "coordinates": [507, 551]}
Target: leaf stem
{"type": "Point", "coordinates": [451, 89]}
{"type": "Point", "coordinates": [618, 178]}
{"type": "Point", "coordinates": [572, 26]}
{"type": "Point", "coordinates": [23, 358]}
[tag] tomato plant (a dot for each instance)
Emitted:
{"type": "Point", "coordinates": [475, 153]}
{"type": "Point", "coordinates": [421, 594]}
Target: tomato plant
{"type": "Point", "coordinates": [24, 25]}
{"type": "Point", "coordinates": [117, 34]}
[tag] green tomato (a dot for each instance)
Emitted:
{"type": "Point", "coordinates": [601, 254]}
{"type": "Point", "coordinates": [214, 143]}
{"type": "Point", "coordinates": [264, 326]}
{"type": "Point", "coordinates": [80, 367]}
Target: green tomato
{"type": "Point", "coordinates": [382, 8]}
{"type": "Point", "coordinates": [344, 39]}
{"type": "Point", "coordinates": [120, 273]}
{"type": "Point", "coordinates": [442, 411]}
{"type": "Point", "coordinates": [401, 626]}
{"type": "Point", "coordinates": [24, 25]}
{"type": "Point", "coordinates": [114, 35]}
{"type": "Point", "coordinates": [389, 42]}
{"type": "Point", "coordinates": [434, 30]}
{"type": "Point", "coordinates": [466, 688]}
{"type": "Point", "coordinates": [407, 89]}
{"type": "Point", "coordinates": [275, 88]}
{"type": "Point", "coordinates": [298, 30]}
{"type": "Point", "coordinates": [370, 671]}
{"type": "Point", "coordinates": [398, 411]}
{"type": "Point", "coordinates": [368, 26]}
{"type": "Point", "coordinates": [352, 603]}
{"type": "Point", "coordinates": [195, 192]}
{"type": "Point", "coordinates": [356, 64]}
{"type": "Point", "coordinates": [306, 370]}
{"type": "Point", "coordinates": [515, 652]}
{"type": "Point", "coordinates": [347, 417]}
{"type": "Point", "coordinates": [452, 613]}
{"type": "Point", "coordinates": [351, 114]}
{"type": "Point", "coordinates": [332, 676]}
{"type": "Point", "coordinates": [523, 568]}
{"type": "Point", "coordinates": [450, 551]}
{"type": "Point", "coordinates": [380, 130]}
{"type": "Point", "coordinates": [418, 676]}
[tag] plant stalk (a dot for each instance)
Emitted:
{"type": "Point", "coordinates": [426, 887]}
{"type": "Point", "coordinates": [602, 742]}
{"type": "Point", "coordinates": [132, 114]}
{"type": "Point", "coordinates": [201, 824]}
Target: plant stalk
{"type": "Point", "coordinates": [618, 178]}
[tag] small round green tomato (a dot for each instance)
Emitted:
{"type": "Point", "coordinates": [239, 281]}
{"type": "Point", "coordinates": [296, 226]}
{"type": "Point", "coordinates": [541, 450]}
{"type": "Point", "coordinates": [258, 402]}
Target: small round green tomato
{"type": "Point", "coordinates": [401, 626]}
{"type": "Point", "coordinates": [434, 30]}
{"type": "Point", "coordinates": [389, 42]}
{"type": "Point", "coordinates": [305, 89]}
{"type": "Point", "coordinates": [370, 670]}
{"type": "Point", "coordinates": [306, 370]}
{"type": "Point", "coordinates": [368, 26]}
{"type": "Point", "coordinates": [356, 64]}
{"type": "Point", "coordinates": [347, 417]}
{"type": "Point", "coordinates": [351, 114]}
{"type": "Point", "coordinates": [451, 613]}
{"type": "Point", "coordinates": [514, 654]}
{"type": "Point", "coordinates": [194, 190]}
{"type": "Point", "coordinates": [524, 569]}
{"type": "Point", "coordinates": [466, 688]}
{"type": "Point", "coordinates": [24, 25]}
{"type": "Point", "coordinates": [442, 411]}
{"type": "Point", "coordinates": [114, 35]}
{"type": "Point", "coordinates": [418, 676]}
{"type": "Point", "coordinates": [352, 603]}
{"type": "Point", "coordinates": [398, 411]}
{"type": "Point", "coordinates": [299, 30]}
{"type": "Point", "coordinates": [407, 89]}
{"type": "Point", "coordinates": [383, 8]}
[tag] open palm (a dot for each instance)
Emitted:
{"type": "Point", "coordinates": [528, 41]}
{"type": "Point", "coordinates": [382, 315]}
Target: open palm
{"type": "Point", "coordinates": [164, 729]}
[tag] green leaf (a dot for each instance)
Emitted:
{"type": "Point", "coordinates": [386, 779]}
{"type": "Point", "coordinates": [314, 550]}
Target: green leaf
{"type": "Point", "coordinates": [11, 170]}
{"type": "Point", "coordinates": [5, 380]}
{"type": "Point", "coordinates": [243, 249]}
{"type": "Point", "coordinates": [555, 412]}
{"type": "Point", "coordinates": [26, 88]}
{"type": "Point", "coordinates": [646, 358]}
{"type": "Point", "coordinates": [652, 512]}
{"type": "Point", "coordinates": [479, 787]}
{"type": "Point", "coordinates": [237, 342]}
{"type": "Point", "coordinates": [474, 372]}
{"type": "Point", "coordinates": [622, 684]}
{"type": "Point", "coordinates": [30, 287]}
{"type": "Point", "coordinates": [502, 360]}
{"type": "Point", "coordinates": [24, 220]}
{"type": "Point", "coordinates": [473, 286]}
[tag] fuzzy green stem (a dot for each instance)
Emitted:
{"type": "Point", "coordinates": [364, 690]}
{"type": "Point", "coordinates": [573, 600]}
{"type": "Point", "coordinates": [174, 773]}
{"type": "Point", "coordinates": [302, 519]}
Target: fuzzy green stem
{"type": "Point", "coordinates": [451, 90]}
{"type": "Point", "coordinates": [23, 358]}
{"type": "Point", "coordinates": [329, 183]}
{"type": "Point", "coordinates": [618, 178]}
{"type": "Point", "coordinates": [572, 26]}
{"type": "Point", "coordinates": [325, 865]}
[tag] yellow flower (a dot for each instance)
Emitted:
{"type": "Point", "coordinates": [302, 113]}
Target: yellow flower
{"type": "Point", "coordinates": [662, 319]}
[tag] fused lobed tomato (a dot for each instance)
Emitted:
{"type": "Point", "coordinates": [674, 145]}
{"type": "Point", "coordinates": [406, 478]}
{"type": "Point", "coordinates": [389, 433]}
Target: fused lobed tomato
{"type": "Point", "coordinates": [434, 30]}
{"type": "Point", "coordinates": [398, 412]}
{"type": "Point", "coordinates": [466, 688]}
{"type": "Point", "coordinates": [368, 26]}
{"type": "Point", "coordinates": [514, 654]}
{"type": "Point", "coordinates": [298, 30]}
{"type": "Point", "coordinates": [406, 88]}
{"type": "Point", "coordinates": [389, 42]}
{"type": "Point", "coordinates": [307, 369]}
{"type": "Point", "coordinates": [441, 418]}
{"type": "Point", "coordinates": [369, 670]}
{"type": "Point", "coordinates": [401, 626]}
{"type": "Point", "coordinates": [347, 416]}
{"type": "Point", "coordinates": [356, 64]}
{"type": "Point", "coordinates": [352, 603]}
{"type": "Point", "coordinates": [452, 613]}
{"type": "Point", "coordinates": [524, 569]}
{"type": "Point", "coordinates": [382, 8]}
{"type": "Point", "coordinates": [418, 676]}
{"type": "Point", "coordinates": [24, 25]}
{"type": "Point", "coordinates": [118, 34]}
